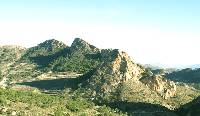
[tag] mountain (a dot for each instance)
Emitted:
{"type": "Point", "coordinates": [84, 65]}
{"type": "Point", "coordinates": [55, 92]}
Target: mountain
{"type": "Point", "coordinates": [50, 55]}
{"type": "Point", "coordinates": [115, 69]}
{"type": "Point", "coordinates": [187, 75]}
{"type": "Point", "coordinates": [81, 58]}
{"type": "Point", "coordinates": [118, 80]}
{"type": "Point", "coordinates": [104, 76]}
{"type": "Point", "coordinates": [43, 49]}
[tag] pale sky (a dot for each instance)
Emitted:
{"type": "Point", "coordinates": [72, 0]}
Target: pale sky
{"type": "Point", "coordinates": [163, 32]}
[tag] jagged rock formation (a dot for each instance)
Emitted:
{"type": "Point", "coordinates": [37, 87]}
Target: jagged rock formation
{"type": "Point", "coordinates": [52, 45]}
{"type": "Point", "coordinates": [120, 64]}
{"type": "Point", "coordinates": [161, 85]}
{"type": "Point", "coordinates": [115, 69]}
{"type": "Point", "coordinates": [81, 45]}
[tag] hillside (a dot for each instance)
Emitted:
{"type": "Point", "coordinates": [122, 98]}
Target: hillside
{"type": "Point", "coordinates": [99, 76]}
{"type": "Point", "coordinates": [190, 109]}
{"type": "Point", "coordinates": [119, 80]}
{"type": "Point", "coordinates": [34, 103]}
{"type": "Point", "coordinates": [187, 75]}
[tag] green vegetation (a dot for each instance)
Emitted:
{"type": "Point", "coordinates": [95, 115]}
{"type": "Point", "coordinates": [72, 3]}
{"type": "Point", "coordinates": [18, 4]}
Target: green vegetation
{"type": "Point", "coordinates": [190, 109]}
{"type": "Point", "coordinates": [59, 105]}
{"type": "Point", "coordinates": [43, 49]}
{"type": "Point", "coordinates": [10, 54]}
{"type": "Point", "coordinates": [53, 55]}
{"type": "Point", "coordinates": [1, 76]}
{"type": "Point", "coordinates": [105, 87]}
{"type": "Point", "coordinates": [76, 63]}
{"type": "Point", "coordinates": [187, 75]}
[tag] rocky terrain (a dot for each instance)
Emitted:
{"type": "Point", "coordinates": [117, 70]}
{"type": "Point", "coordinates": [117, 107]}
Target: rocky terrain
{"type": "Point", "coordinates": [82, 71]}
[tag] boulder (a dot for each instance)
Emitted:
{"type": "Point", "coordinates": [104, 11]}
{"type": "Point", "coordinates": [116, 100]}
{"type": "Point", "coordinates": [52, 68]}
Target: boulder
{"type": "Point", "coordinates": [161, 85]}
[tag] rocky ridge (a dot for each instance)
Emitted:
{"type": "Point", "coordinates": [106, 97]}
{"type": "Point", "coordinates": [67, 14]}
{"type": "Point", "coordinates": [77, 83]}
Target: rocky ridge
{"type": "Point", "coordinates": [117, 69]}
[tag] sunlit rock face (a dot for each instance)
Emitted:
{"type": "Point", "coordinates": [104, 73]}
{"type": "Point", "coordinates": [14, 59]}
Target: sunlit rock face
{"type": "Point", "coordinates": [115, 69]}
{"type": "Point", "coordinates": [161, 85]}
{"type": "Point", "coordinates": [120, 63]}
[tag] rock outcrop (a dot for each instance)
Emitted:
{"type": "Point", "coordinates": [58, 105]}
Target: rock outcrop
{"type": "Point", "coordinates": [81, 45]}
{"type": "Point", "coordinates": [51, 45]}
{"type": "Point", "coordinates": [115, 69]}
{"type": "Point", "coordinates": [161, 85]}
{"type": "Point", "coordinates": [119, 63]}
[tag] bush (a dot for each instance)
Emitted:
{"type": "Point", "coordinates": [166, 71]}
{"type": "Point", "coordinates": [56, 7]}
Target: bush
{"type": "Point", "coordinates": [3, 101]}
{"type": "Point", "coordinates": [78, 104]}
{"type": "Point", "coordinates": [59, 112]}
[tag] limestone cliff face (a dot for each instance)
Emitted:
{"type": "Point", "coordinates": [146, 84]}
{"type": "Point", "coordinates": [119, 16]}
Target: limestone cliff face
{"type": "Point", "coordinates": [163, 86]}
{"type": "Point", "coordinates": [121, 64]}
{"type": "Point", "coordinates": [115, 69]}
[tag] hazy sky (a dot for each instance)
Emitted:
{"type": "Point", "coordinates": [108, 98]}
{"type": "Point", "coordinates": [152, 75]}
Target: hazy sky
{"type": "Point", "coordinates": [152, 31]}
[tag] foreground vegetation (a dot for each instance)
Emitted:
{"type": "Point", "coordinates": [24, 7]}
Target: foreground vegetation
{"type": "Point", "coordinates": [35, 103]}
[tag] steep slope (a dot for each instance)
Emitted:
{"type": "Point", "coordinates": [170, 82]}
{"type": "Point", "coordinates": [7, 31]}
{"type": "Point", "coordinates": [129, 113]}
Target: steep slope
{"type": "Point", "coordinates": [115, 69]}
{"type": "Point", "coordinates": [163, 86]}
{"type": "Point", "coordinates": [119, 78]}
{"type": "Point", "coordinates": [117, 81]}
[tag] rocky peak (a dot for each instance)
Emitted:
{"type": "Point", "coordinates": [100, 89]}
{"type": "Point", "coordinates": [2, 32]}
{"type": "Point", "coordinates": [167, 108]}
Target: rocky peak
{"type": "Point", "coordinates": [161, 85]}
{"type": "Point", "coordinates": [51, 44]}
{"type": "Point", "coordinates": [81, 45]}
{"type": "Point", "coordinates": [116, 68]}
{"type": "Point", "coordinates": [79, 42]}
{"type": "Point", "coordinates": [121, 63]}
